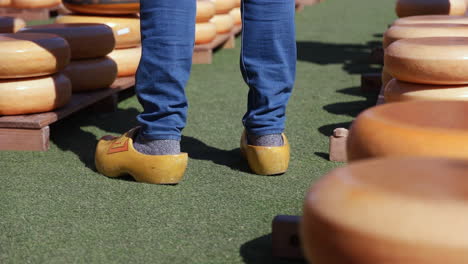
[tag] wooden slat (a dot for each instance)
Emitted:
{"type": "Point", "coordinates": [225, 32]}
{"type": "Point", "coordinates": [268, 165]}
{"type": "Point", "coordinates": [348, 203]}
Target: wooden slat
{"type": "Point", "coordinates": [24, 139]}
{"type": "Point", "coordinates": [77, 102]}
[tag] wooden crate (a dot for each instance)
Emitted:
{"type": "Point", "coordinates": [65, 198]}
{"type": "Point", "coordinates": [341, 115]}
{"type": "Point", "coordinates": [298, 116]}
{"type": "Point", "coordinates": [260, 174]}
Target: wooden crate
{"type": "Point", "coordinates": [31, 132]}
{"type": "Point", "coordinates": [203, 54]}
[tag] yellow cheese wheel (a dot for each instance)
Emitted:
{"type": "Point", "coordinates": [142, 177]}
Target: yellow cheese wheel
{"type": "Point", "coordinates": [432, 19]}
{"type": "Point", "coordinates": [236, 15]}
{"type": "Point", "coordinates": [35, 3]}
{"type": "Point", "coordinates": [397, 91]}
{"type": "Point", "coordinates": [405, 8]}
{"type": "Point", "coordinates": [11, 24]}
{"type": "Point", "coordinates": [127, 60]}
{"type": "Point", "coordinates": [394, 210]}
{"type": "Point", "coordinates": [224, 23]}
{"type": "Point", "coordinates": [398, 32]}
{"type": "Point", "coordinates": [410, 128]}
{"type": "Point", "coordinates": [224, 6]}
{"type": "Point", "coordinates": [429, 60]}
{"type": "Point", "coordinates": [205, 33]}
{"type": "Point", "coordinates": [5, 3]}
{"type": "Point", "coordinates": [205, 11]}
{"type": "Point", "coordinates": [34, 95]}
{"type": "Point", "coordinates": [85, 40]}
{"type": "Point", "coordinates": [91, 74]}
{"type": "Point", "coordinates": [126, 28]}
{"type": "Point", "coordinates": [237, 3]}
{"type": "Point", "coordinates": [103, 7]}
{"type": "Point", "coordinates": [31, 55]}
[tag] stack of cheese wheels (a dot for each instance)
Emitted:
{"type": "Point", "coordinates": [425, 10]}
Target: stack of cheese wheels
{"type": "Point", "coordinates": [436, 63]}
{"type": "Point", "coordinates": [89, 69]}
{"type": "Point", "coordinates": [394, 210]}
{"type": "Point", "coordinates": [405, 31]}
{"type": "Point", "coordinates": [411, 128]}
{"type": "Point", "coordinates": [30, 4]}
{"type": "Point", "coordinates": [236, 13]}
{"type": "Point", "coordinates": [30, 78]}
{"type": "Point", "coordinates": [205, 31]}
{"type": "Point", "coordinates": [11, 24]}
{"type": "Point", "coordinates": [122, 17]}
{"type": "Point", "coordinates": [405, 8]}
{"type": "Point", "coordinates": [223, 20]}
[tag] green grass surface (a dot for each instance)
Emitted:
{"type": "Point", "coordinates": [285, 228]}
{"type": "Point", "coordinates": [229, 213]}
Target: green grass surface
{"type": "Point", "coordinates": [55, 208]}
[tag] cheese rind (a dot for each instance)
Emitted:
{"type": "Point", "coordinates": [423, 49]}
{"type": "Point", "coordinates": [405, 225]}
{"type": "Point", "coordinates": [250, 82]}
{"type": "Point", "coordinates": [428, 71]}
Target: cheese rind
{"type": "Point", "coordinates": [32, 54]}
{"type": "Point", "coordinates": [224, 23]}
{"type": "Point", "coordinates": [34, 95]}
{"type": "Point", "coordinates": [126, 28]}
{"type": "Point", "coordinates": [432, 19]}
{"type": "Point", "coordinates": [103, 7]}
{"type": "Point", "coordinates": [35, 3]}
{"type": "Point", "coordinates": [405, 8]}
{"type": "Point", "coordinates": [85, 40]}
{"type": "Point", "coordinates": [224, 6]}
{"type": "Point", "coordinates": [205, 11]}
{"type": "Point", "coordinates": [205, 33]}
{"type": "Point", "coordinates": [127, 60]}
{"type": "Point", "coordinates": [91, 74]}
{"type": "Point", "coordinates": [397, 91]}
{"type": "Point", "coordinates": [236, 15]}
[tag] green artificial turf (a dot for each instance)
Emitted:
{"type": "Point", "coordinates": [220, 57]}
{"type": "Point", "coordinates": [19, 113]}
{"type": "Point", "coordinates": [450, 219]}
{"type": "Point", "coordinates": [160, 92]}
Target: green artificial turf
{"type": "Point", "coordinates": [55, 208]}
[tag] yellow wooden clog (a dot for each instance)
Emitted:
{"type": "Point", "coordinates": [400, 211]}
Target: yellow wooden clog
{"type": "Point", "coordinates": [116, 156]}
{"type": "Point", "coordinates": [266, 160]}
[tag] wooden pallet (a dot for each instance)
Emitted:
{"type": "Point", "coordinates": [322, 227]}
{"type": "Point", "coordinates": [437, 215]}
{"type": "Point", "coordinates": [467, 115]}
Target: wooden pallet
{"type": "Point", "coordinates": [203, 54]}
{"type": "Point", "coordinates": [31, 132]}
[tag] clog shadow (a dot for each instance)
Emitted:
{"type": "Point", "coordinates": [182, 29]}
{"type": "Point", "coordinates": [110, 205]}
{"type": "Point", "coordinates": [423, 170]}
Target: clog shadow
{"type": "Point", "coordinates": [259, 251]}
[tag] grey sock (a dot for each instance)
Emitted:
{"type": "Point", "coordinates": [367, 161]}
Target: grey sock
{"type": "Point", "coordinates": [156, 147]}
{"type": "Point", "coordinates": [273, 140]}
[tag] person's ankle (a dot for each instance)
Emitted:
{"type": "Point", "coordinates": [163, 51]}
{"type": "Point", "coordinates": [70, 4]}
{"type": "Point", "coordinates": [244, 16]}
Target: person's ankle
{"type": "Point", "coordinates": [156, 147]}
{"type": "Point", "coordinates": [271, 140]}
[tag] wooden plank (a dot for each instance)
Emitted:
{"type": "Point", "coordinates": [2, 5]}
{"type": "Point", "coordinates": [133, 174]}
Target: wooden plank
{"type": "Point", "coordinates": [202, 57]}
{"type": "Point", "coordinates": [24, 139]}
{"type": "Point", "coordinates": [337, 146]}
{"type": "Point", "coordinates": [285, 237]}
{"type": "Point", "coordinates": [78, 102]}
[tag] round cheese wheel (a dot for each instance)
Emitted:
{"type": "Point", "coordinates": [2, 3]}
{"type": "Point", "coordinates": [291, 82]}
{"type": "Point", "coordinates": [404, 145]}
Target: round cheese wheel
{"type": "Point", "coordinates": [126, 28]}
{"type": "Point", "coordinates": [85, 40]}
{"type": "Point", "coordinates": [11, 24]}
{"type": "Point", "coordinates": [127, 60]}
{"type": "Point", "coordinates": [411, 128]}
{"type": "Point", "coordinates": [398, 32]}
{"type": "Point", "coordinates": [103, 7]}
{"type": "Point", "coordinates": [429, 60]}
{"type": "Point", "coordinates": [386, 77]}
{"type": "Point", "coordinates": [35, 3]}
{"type": "Point", "coordinates": [224, 6]}
{"type": "Point", "coordinates": [236, 15]}
{"type": "Point", "coordinates": [405, 8]}
{"type": "Point", "coordinates": [394, 210]}
{"type": "Point", "coordinates": [205, 11]}
{"type": "Point", "coordinates": [5, 3]}
{"type": "Point", "coordinates": [238, 3]}
{"type": "Point", "coordinates": [91, 74]}
{"type": "Point", "coordinates": [223, 23]}
{"type": "Point", "coordinates": [31, 55]}
{"type": "Point", "coordinates": [397, 91]}
{"type": "Point", "coordinates": [34, 95]}
{"type": "Point", "coordinates": [432, 19]}
{"type": "Point", "coordinates": [205, 33]}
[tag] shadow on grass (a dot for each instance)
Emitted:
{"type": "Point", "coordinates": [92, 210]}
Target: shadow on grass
{"type": "Point", "coordinates": [258, 251]}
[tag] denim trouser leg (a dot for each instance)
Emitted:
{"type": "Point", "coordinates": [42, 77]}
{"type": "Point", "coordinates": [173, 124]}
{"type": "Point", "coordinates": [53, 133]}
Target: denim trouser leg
{"type": "Point", "coordinates": [268, 62]}
{"type": "Point", "coordinates": [168, 33]}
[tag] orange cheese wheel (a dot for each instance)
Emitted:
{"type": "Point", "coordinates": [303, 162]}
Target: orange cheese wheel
{"type": "Point", "coordinates": [398, 32]}
{"type": "Point", "coordinates": [127, 60]}
{"type": "Point", "coordinates": [31, 55]}
{"type": "Point", "coordinates": [224, 6]}
{"type": "Point", "coordinates": [429, 60]}
{"type": "Point", "coordinates": [35, 3]}
{"type": "Point", "coordinates": [5, 3]}
{"type": "Point", "coordinates": [405, 8]}
{"type": "Point", "coordinates": [91, 74]}
{"type": "Point", "coordinates": [103, 7]}
{"type": "Point", "coordinates": [411, 128]}
{"type": "Point", "coordinates": [205, 33]}
{"type": "Point", "coordinates": [85, 40]}
{"type": "Point", "coordinates": [205, 11]}
{"type": "Point", "coordinates": [236, 15]}
{"type": "Point", "coordinates": [126, 28]}
{"type": "Point", "coordinates": [34, 95]}
{"type": "Point", "coordinates": [11, 24]}
{"type": "Point", "coordinates": [432, 19]}
{"type": "Point", "coordinates": [394, 210]}
{"type": "Point", "coordinates": [397, 91]}
{"type": "Point", "coordinates": [224, 23]}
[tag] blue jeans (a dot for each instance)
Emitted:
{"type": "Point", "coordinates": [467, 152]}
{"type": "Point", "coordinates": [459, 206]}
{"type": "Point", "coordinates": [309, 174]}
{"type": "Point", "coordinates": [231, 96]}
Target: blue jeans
{"type": "Point", "coordinates": [268, 64]}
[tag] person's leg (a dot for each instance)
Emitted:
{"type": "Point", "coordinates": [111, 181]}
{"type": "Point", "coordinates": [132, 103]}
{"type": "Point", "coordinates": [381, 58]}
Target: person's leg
{"type": "Point", "coordinates": [168, 33]}
{"type": "Point", "coordinates": [268, 65]}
